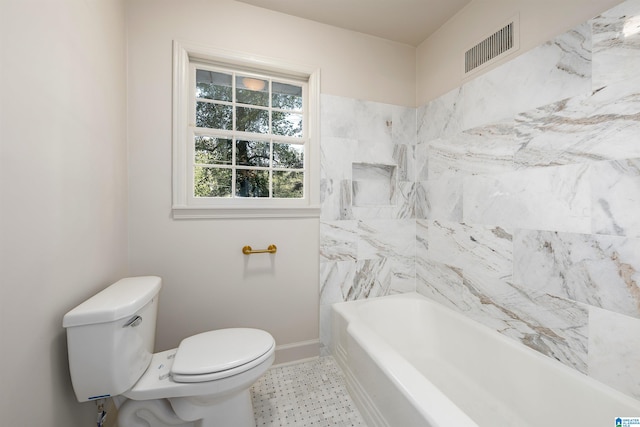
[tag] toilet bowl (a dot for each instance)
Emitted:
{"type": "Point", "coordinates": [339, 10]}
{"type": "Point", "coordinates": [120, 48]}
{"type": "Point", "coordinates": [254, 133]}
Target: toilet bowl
{"type": "Point", "coordinates": [204, 382]}
{"type": "Point", "coordinates": [206, 378]}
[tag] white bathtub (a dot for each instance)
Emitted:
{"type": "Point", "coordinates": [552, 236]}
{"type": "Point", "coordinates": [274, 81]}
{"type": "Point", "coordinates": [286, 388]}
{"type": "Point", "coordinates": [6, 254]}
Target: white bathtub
{"type": "Point", "coordinates": [411, 362]}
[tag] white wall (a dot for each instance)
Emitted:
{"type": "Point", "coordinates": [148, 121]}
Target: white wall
{"type": "Point", "coordinates": [62, 188]}
{"type": "Point", "coordinates": [208, 283]}
{"type": "Point", "coordinates": [440, 58]}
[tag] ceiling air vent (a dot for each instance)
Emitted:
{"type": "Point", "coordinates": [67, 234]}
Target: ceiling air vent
{"type": "Point", "coordinates": [497, 44]}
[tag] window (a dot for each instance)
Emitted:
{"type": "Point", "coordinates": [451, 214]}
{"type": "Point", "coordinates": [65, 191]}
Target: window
{"type": "Point", "coordinates": [245, 137]}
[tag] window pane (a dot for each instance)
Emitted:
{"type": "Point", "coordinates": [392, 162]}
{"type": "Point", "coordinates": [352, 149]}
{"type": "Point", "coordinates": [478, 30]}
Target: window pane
{"type": "Point", "coordinates": [211, 182]}
{"type": "Point", "coordinates": [214, 116]}
{"type": "Point", "coordinates": [289, 124]}
{"type": "Point", "coordinates": [212, 85]}
{"type": "Point", "coordinates": [288, 185]}
{"type": "Point", "coordinates": [288, 156]}
{"type": "Point", "coordinates": [252, 91]}
{"type": "Point", "coordinates": [286, 97]}
{"type": "Point", "coordinates": [252, 183]}
{"type": "Point", "coordinates": [252, 120]}
{"type": "Point", "coordinates": [213, 151]}
{"type": "Point", "coordinates": [252, 153]}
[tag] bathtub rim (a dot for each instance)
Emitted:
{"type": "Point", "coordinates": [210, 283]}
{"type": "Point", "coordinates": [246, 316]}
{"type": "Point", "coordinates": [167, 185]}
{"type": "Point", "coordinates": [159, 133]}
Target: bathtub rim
{"type": "Point", "coordinates": [348, 311]}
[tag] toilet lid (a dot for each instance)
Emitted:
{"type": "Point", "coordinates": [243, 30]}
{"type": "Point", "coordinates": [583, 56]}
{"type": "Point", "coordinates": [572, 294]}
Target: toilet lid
{"type": "Point", "coordinates": [218, 351]}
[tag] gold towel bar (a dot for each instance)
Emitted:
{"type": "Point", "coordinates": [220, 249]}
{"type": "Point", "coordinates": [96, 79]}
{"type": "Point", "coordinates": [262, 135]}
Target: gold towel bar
{"type": "Point", "coordinates": [270, 250]}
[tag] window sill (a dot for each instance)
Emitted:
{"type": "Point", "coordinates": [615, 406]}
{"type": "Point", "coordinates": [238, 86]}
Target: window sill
{"type": "Point", "coordinates": [196, 212]}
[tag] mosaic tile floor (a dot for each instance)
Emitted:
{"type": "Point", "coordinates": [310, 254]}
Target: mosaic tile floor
{"type": "Point", "coordinates": [305, 394]}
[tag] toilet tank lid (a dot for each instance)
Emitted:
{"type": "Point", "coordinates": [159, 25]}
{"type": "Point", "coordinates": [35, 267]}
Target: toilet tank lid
{"type": "Point", "coordinates": [118, 301]}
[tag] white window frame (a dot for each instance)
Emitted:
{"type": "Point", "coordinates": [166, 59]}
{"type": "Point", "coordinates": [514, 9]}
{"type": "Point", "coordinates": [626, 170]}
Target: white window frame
{"type": "Point", "coordinates": [184, 205]}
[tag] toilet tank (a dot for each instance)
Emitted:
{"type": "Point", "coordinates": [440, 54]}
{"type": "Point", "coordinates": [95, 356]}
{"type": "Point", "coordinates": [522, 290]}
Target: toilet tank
{"type": "Point", "coordinates": [111, 336]}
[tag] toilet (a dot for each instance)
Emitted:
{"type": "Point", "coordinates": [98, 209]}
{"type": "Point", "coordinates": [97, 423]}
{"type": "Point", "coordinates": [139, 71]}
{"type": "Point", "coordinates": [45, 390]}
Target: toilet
{"type": "Point", "coordinates": [204, 382]}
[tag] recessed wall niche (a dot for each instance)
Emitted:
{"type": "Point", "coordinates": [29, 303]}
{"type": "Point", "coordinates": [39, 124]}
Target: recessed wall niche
{"type": "Point", "coordinates": [373, 184]}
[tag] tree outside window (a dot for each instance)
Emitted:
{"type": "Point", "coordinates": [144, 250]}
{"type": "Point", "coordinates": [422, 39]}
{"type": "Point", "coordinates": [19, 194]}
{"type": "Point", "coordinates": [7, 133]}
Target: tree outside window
{"type": "Point", "coordinates": [249, 136]}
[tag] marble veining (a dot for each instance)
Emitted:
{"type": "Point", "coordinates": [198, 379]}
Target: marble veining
{"type": "Point", "coordinates": [441, 117]}
{"type": "Point", "coordinates": [601, 126]}
{"type": "Point", "coordinates": [386, 238]}
{"type": "Point", "coordinates": [369, 164]}
{"type": "Point", "coordinates": [440, 282]}
{"type": "Point", "coordinates": [516, 199]}
{"type": "Point", "coordinates": [336, 199]}
{"type": "Point", "coordinates": [615, 197]}
{"type": "Point", "coordinates": [336, 279]}
{"type": "Point", "coordinates": [372, 279]}
{"type": "Point", "coordinates": [480, 250]}
{"type": "Point", "coordinates": [553, 326]}
{"type": "Point", "coordinates": [602, 271]}
{"type": "Point", "coordinates": [421, 167]}
{"type": "Point", "coordinates": [614, 341]}
{"type": "Point", "coordinates": [373, 184]}
{"type": "Point", "coordinates": [338, 240]}
{"type": "Point", "coordinates": [546, 199]}
{"type": "Point", "coordinates": [616, 42]}
{"type": "Point", "coordinates": [422, 207]}
{"type": "Point", "coordinates": [561, 66]}
{"type": "Point", "coordinates": [486, 149]}
{"type": "Point", "coordinates": [443, 198]}
{"type": "Point", "coordinates": [403, 125]}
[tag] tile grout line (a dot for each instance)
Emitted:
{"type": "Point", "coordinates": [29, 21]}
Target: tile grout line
{"type": "Point", "coordinates": [308, 394]}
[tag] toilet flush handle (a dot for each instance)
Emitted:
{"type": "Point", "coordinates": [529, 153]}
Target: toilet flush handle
{"type": "Point", "coordinates": [133, 322]}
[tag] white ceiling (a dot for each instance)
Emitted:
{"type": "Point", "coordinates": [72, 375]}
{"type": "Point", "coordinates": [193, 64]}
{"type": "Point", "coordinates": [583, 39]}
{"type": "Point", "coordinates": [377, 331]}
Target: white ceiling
{"type": "Point", "coordinates": [405, 21]}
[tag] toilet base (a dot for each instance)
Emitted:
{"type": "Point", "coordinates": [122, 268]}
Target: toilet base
{"type": "Point", "coordinates": [149, 413]}
{"type": "Point", "coordinates": [235, 410]}
{"type": "Point", "coordinates": [232, 410]}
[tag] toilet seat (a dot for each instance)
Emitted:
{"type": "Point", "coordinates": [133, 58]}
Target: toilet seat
{"type": "Point", "coordinates": [158, 381]}
{"type": "Point", "coordinates": [219, 354]}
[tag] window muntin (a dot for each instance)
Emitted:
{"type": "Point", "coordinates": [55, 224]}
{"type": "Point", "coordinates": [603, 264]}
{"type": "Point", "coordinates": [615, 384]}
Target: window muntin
{"type": "Point", "coordinates": [213, 85]}
{"type": "Point", "coordinates": [249, 135]}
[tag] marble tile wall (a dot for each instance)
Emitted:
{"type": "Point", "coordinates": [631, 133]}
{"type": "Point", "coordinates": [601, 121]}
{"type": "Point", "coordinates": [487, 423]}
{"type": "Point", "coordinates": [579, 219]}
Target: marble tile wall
{"type": "Point", "coordinates": [367, 227]}
{"type": "Point", "coordinates": [528, 215]}
{"type": "Point", "coordinates": [514, 199]}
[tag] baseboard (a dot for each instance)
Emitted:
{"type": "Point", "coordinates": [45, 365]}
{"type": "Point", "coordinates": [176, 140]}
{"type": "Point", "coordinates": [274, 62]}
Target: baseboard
{"type": "Point", "coordinates": [297, 351]}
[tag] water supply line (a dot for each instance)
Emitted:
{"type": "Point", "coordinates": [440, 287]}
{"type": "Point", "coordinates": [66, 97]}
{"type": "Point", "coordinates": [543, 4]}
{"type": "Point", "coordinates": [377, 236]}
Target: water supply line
{"type": "Point", "coordinates": [102, 414]}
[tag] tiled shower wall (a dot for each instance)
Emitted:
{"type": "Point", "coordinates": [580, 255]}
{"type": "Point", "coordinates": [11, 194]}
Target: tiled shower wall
{"type": "Point", "coordinates": [515, 199]}
{"type": "Point", "coordinates": [368, 226]}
